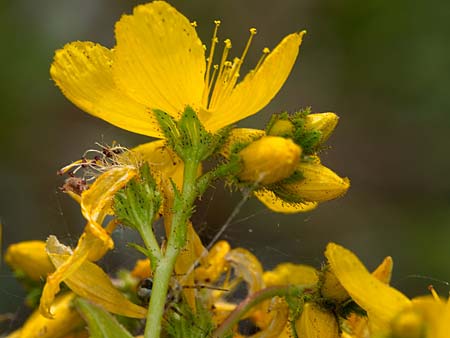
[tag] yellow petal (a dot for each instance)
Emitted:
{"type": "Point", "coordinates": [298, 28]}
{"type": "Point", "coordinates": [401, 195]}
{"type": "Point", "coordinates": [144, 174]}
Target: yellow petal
{"type": "Point", "coordinates": [184, 263]}
{"type": "Point", "coordinates": [142, 269]}
{"type": "Point", "coordinates": [82, 70]}
{"type": "Point", "coordinates": [88, 244]}
{"type": "Point", "coordinates": [331, 288]}
{"type": "Point", "coordinates": [443, 327]}
{"type": "Point", "coordinates": [159, 59]}
{"type": "Point", "coordinates": [384, 271]}
{"type": "Point", "coordinates": [323, 122]}
{"type": "Point", "coordinates": [319, 184]}
{"type": "Point", "coordinates": [381, 302]}
{"type": "Point", "coordinates": [241, 136]}
{"type": "Point", "coordinates": [268, 160]}
{"type": "Point", "coordinates": [96, 201]}
{"type": "Point", "coordinates": [288, 273]}
{"type": "Point", "coordinates": [90, 282]}
{"type": "Point", "coordinates": [31, 258]}
{"type": "Point", "coordinates": [277, 204]}
{"type": "Point", "coordinates": [247, 267]}
{"type": "Point", "coordinates": [213, 264]}
{"type": "Point", "coordinates": [162, 160]}
{"type": "Point", "coordinates": [358, 324]}
{"type": "Point", "coordinates": [259, 87]}
{"type": "Point", "coordinates": [66, 320]}
{"type": "Point", "coordinates": [314, 322]}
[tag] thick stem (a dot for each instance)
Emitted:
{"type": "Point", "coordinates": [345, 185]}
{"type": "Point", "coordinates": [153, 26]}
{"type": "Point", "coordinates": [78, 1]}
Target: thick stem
{"type": "Point", "coordinates": [251, 301]}
{"type": "Point", "coordinates": [176, 242]}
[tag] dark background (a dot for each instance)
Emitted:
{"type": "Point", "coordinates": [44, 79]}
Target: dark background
{"type": "Point", "coordinates": [382, 66]}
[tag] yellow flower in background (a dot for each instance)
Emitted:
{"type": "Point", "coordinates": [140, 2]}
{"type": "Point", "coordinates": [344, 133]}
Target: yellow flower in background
{"type": "Point", "coordinates": [159, 63]}
{"type": "Point", "coordinates": [65, 322]}
{"type": "Point", "coordinates": [30, 258]}
{"type": "Point", "coordinates": [381, 301]}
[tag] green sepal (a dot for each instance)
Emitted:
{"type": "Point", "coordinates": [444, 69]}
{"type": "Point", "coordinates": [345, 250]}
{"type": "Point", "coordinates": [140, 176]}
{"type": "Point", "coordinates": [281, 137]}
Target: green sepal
{"type": "Point", "coordinates": [227, 169]}
{"type": "Point", "coordinates": [309, 140]}
{"type": "Point", "coordinates": [137, 205]}
{"type": "Point", "coordinates": [101, 324]}
{"type": "Point", "coordinates": [138, 202]}
{"type": "Point", "coordinates": [182, 322]}
{"type": "Point", "coordinates": [140, 248]}
{"type": "Point", "coordinates": [188, 137]}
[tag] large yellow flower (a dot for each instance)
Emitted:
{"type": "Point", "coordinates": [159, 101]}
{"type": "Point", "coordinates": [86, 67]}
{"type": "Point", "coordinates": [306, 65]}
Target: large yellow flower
{"type": "Point", "coordinates": [159, 63]}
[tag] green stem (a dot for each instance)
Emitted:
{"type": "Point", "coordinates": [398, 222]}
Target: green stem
{"type": "Point", "coordinates": [251, 301]}
{"type": "Point", "coordinates": [176, 242]}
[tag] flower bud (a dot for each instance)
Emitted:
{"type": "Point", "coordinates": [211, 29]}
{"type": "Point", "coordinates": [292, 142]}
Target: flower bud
{"type": "Point", "coordinates": [269, 159]}
{"type": "Point", "coordinates": [314, 322]}
{"type": "Point", "coordinates": [331, 288]}
{"type": "Point", "coordinates": [281, 128]}
{"type": "Point", "coordinates": [323, 122]}
{"type": "Point", "coordinates": [319, 184]}
{"type": "Point", "coordinates": [66, 321]}
{"type": "Point", "coordinates": [30, 258]}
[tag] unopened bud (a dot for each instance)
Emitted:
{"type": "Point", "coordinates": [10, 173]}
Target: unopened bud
{"type": "Point", "coordinates": [319, 184]}
{"type": "Point", "coordinates": [281, 128]}
{"type": "Point", "coordinates": [323, 122]}
{"type": "Point", "coordinates": [315, 322]}
{"type": "Point", "coordinates": [269, 159]}
{"type": "Point", "coordinates": [30, 258]}
{"type": "Point", "coordinates": [331, 288]}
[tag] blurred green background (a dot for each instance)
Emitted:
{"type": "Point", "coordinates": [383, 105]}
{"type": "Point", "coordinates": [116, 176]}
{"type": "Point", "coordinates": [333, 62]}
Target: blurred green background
{"type": "Point", "coordinates": [382, 66]}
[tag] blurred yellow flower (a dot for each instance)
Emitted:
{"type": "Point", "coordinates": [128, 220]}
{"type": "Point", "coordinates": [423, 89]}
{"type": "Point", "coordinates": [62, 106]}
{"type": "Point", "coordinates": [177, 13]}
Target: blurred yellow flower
{"type": "Point", "coordinates": [30, 258]}
{"type": "Point", "coordinates": [159, 63]}
{"type": "Point", "coordinates": [65, 322]}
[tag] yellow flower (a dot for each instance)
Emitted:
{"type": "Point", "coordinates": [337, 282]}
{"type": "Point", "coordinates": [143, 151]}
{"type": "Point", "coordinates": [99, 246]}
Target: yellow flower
{"type": "Point", "coordinates": [381, 301]}
{"type": "Point", "coordinates": [316, 322]}
{"type": "Point", "coordinates": [159, 63]}
{"type": "Point", "coordinates": [390, 313]}
{"type": "Point", "coordinates": [65, 322]}
{"type": "Point", "coordinates": [95, 241]}
{"type": "Point", "coordinates": [30, 258]}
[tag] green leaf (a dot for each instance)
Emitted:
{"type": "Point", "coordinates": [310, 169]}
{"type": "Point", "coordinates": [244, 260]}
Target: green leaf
{"type": "Point", "coordinates": [101, 324]}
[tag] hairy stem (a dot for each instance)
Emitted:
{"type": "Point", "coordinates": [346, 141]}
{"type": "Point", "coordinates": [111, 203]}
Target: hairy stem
{"type": "Point", "coordinates": [176, 241]}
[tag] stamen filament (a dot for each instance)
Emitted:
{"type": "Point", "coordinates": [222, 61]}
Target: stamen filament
{"type": "Point", "coordinates": [214, 41]}
{"type": "Point", "coordinates": [266, 52]}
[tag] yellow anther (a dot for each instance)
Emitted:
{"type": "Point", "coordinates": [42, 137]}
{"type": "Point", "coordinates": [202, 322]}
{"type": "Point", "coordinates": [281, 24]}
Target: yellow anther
{"type": "Point", "coordinates": [194, 23]}
{"type": "Point", "coordinates": [252, 31]}
{"type": "Point", "coordinates": [266, 50]}
{"type": "Point", "coordinates": [217, 23]}
{"type": "Point", "coordinates": [227, 43]}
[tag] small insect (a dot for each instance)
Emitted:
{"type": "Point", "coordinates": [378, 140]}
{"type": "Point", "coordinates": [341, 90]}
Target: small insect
{"type": "Point", "coordinates": [74, 184]}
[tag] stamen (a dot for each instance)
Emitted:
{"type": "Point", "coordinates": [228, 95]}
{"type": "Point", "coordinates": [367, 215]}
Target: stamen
{"type": "Point", "coordinates": [434, 293]}
{"type": "Point", "coordinates": [249, 42]}
{"type": "Point", "coordinates": [210, 59]}
{"type": "Point", "coordinates": [194, 24]}
{"type": "Point", "coordinates": [266, 52]}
